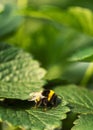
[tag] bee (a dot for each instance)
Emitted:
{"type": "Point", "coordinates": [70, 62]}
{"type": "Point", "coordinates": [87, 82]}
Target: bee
{"type": "Point", "coordinates": [46, 98]}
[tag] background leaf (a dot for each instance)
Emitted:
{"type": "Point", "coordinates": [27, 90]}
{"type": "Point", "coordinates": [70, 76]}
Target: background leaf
{"type": "Point", "coordinates": [75, 17]}
{"type": "Point", "coordinates": [81, 100]}
{"type": "Point", "coordinates": [79, 48]}
{"type": "Point", "coordinates": [9, 20]}
{"type": "Point", "coordinates": [85, 122]}
{"type": "Point", "coordinates": [65, 4]}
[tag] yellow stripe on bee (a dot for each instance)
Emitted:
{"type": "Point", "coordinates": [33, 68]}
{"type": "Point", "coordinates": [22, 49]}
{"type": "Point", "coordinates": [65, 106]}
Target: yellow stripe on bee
{"type": "Point", "coordinates": [50, 95]}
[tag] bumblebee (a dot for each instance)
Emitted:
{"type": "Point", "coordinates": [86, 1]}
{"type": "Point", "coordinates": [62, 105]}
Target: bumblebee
{"type": "Point", "coordinates": [45, 98]}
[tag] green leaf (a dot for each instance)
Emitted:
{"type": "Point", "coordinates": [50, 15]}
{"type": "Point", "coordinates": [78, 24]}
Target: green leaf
{"type": "Point", "coordinates": [43, 43]}
{"type": "Point", "coordinates": [79, 45]}
{"type": "Point", "coordinates": [80, 19]}
{"type": "Point", "coordinates": [9, 19]}
{"type": "Point", "coordinates": [65, 4]}
{"type": "Point", "coordinates": [19, 90]}
{"type": "Point", "coordinates": [75, 17]}
{"type": "Point", "coordinates": [34, 119]}
{"type": "Point", "coordinates": [82, 55]}
{"type": "Point", "coordinates": [85, 122]}
{"type": "Point", "coordinates": [80, 99]}
{"type": "Point", "coordinates": [1, 8]}
{"type": "Point", "coordinates": [75, 73]}
{"type": "Point", "coordinates": [20, 64]}
{"type": "Point", "coordinates": [79, 72]}
{"type": "Point", "coordinates": [19, 73]}
{"type": "Point", "coordinates": [12, 110]}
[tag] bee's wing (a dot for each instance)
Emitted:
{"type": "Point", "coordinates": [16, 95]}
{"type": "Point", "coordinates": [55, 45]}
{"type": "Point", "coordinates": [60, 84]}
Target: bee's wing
{"type": "Point", "coordinates": [35, 95]}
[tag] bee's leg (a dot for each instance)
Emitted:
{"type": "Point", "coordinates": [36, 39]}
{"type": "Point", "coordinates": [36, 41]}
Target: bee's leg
{"type": "Point", "coordinates": [45, 102]}
{"type": "Point", "coordinates": [38, 103]}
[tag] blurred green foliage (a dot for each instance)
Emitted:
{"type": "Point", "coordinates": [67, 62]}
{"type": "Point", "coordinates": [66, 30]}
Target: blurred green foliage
{"type": "Point", "coordinates": [58, 33]}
